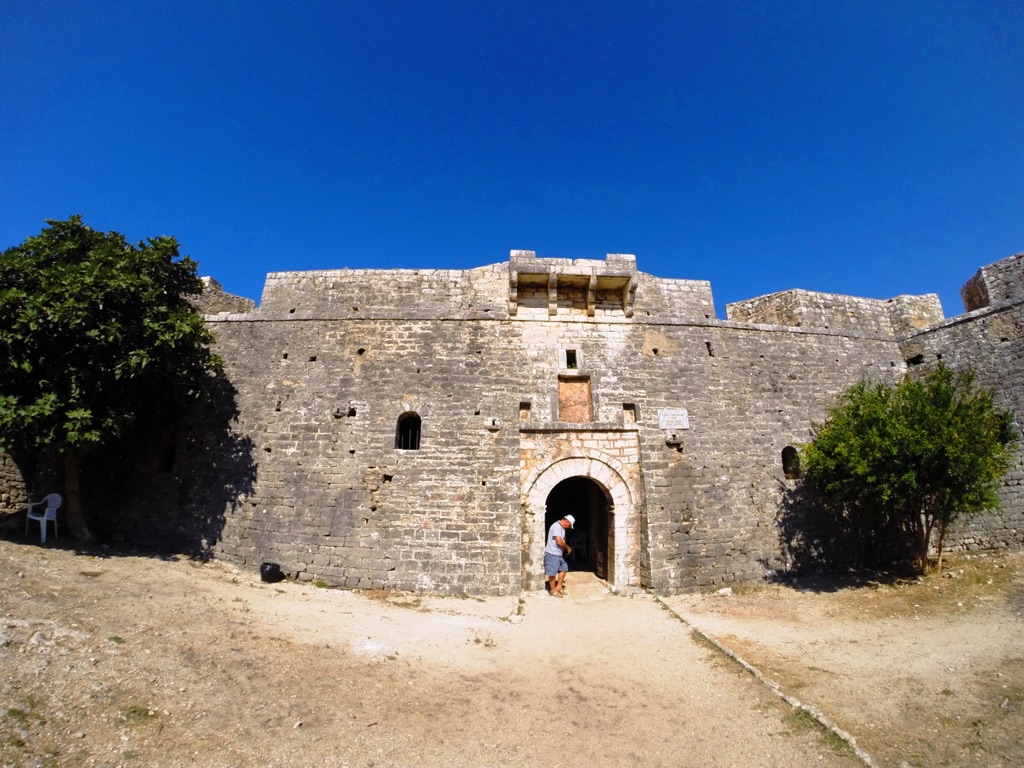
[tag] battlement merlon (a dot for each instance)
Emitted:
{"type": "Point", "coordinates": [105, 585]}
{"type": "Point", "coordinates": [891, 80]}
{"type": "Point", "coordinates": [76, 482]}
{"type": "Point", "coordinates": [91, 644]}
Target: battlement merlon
{"type": "Point", "coordinates": [215, 300]}
{"type": "Point", "coordinates": [995, 283]}
{"type": "Point", "coordinates": [614, 277]}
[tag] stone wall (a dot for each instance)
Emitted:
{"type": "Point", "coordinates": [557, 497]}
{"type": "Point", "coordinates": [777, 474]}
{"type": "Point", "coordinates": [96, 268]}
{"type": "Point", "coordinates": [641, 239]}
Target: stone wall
{"type": "Point", "coordinates": [380, 293]}
{"type": "Point", "coordinates": [807, 309]}
{"type": "Point", "coordinates": [214, 300]}
{"type": "Point", "coordinates": [994, 284]}
{"type": "Point", "coordinates": [13, 494]}
{"type": "Point", "coordinates": [712, 506]}
{"type": "Point", "coordinates": [674, 300]}
{"type": "Point", "coordinates": [334, 499]}
{"type": "Point", "coordinates": [687, 421]}
{"type": "Point", "coordinates": [989, 342]}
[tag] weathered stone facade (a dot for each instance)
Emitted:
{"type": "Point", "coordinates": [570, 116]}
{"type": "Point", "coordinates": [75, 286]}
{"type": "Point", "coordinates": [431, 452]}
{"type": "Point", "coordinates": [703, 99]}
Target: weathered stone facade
{"type": "Point", "coordinates": [527, 389]}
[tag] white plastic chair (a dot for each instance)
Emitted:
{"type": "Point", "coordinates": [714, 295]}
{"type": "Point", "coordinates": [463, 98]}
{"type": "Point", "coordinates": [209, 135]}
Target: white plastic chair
{"type": "Point", "coordinates": [50, 502]}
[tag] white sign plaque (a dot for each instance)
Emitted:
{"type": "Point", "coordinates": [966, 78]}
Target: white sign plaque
{"type": "Point", "coordinates": [673, 418]}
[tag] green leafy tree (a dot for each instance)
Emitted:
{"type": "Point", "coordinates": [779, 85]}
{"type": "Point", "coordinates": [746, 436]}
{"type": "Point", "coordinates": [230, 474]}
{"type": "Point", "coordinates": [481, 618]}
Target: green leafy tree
{"type": "Point", "coordinates": [912, 458]}
{"type": "Point", "coordinates": [97, 339]}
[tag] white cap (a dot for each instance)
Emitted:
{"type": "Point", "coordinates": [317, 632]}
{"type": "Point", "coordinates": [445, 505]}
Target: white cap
{"type": "Point", "coordinates": [571, 519]}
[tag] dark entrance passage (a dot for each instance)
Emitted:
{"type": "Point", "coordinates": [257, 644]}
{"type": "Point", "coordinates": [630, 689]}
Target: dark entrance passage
{"type": "Point", "coordinates": [592, 538]}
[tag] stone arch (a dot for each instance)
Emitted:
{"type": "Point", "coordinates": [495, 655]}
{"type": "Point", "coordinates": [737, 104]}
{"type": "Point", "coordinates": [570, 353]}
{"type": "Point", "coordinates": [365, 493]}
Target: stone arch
{"type": "Point", "coordinates": [610, 475]}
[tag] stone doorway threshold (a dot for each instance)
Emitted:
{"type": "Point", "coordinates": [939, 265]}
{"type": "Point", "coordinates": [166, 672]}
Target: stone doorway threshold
{"type": "Point", "coordinates": [585, 587]}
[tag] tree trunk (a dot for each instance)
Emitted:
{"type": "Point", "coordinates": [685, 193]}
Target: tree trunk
{"type": "Point", "coordinates": [942, 537]}
{"type": "Point", "coordinates": [76, 520]}
{"type": "Point", "coordinates": [922, 535]}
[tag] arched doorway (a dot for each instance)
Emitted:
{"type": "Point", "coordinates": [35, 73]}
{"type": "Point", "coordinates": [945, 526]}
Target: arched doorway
{"type": "Point", "coordinates": [592, 538]}
{"type": "Point", "coordinates": [608, 475]}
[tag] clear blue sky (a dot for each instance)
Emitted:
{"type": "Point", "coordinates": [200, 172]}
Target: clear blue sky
{"type": "Point", "coordinates": [868, 148]}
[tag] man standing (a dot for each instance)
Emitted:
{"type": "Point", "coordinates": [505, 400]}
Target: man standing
{"type": "Point", "coordinates": [554, 555]}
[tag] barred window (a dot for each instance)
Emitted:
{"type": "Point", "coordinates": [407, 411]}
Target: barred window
{"type": "Point", "coordinates": [407, 435]}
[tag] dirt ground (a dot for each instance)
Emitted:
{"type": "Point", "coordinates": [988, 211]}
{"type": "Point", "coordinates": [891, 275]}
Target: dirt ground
{"type": "Point", "coordinates": [118, 658]}
{"type": "Point", "coordinates": [925, 672]}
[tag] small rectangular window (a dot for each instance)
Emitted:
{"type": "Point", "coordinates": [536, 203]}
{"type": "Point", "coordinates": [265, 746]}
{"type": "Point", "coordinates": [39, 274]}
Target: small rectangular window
{"type": "Point", "coordinates": [628, 413]}
{"type": "Point", "coordinates": [570, 359]}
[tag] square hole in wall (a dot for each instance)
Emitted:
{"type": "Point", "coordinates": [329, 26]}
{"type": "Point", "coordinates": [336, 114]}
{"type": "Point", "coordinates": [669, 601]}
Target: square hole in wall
{"type": "Point", "coordinates": [570, 361]}
{"type": "Point", "coordinates": [629, 413]}
{"type": "Point", "coordinates": [524, 410]}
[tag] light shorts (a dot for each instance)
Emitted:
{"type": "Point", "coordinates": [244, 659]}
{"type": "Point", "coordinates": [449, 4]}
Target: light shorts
{"type": "Point", "coordinates": [554, 564]}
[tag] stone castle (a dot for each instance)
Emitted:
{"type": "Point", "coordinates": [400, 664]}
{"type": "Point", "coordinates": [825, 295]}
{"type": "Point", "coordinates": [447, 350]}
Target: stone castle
{"type": "Point", "coordinates": [419, 429]}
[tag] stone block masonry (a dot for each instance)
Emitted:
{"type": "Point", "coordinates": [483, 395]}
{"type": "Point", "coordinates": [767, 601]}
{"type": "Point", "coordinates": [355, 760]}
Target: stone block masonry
{"type": "Point", "coordinates": [995, 284]}
{"type": "Point", "coordinates": [416, 429]}
{"type": "Point", "coordinates": [990, 342]}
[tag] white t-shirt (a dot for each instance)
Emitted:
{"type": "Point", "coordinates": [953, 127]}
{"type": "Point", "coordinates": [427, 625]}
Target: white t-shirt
{"type": "Point", "coordinates": [552, 547]}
